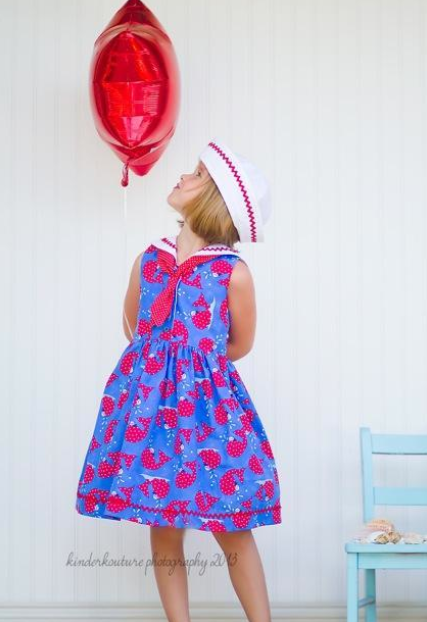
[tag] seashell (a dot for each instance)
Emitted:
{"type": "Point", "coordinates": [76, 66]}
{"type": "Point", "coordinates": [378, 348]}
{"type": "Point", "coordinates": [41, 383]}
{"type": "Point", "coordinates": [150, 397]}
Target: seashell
{"type": "Point", "coordinates": [382, 539]}
{"type": "Point", "coordinates": [380, 524]}
{"type": "Point", "coordinates": [394, 537]}
{"type": "Point", "coordinates": [377, 537]}
{"type": "Point", "coordinates": [411, 537]}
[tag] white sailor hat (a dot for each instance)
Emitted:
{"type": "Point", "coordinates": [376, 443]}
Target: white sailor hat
{"type": "Point", "coordinates": [243, 187]}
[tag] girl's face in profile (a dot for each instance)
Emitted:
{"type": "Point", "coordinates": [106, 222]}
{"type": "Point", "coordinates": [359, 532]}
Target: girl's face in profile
{"type": "Point", "coordinates": [188, 187]}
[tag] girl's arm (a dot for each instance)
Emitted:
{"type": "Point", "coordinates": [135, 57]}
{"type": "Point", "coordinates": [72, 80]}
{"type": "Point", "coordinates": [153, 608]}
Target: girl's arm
{"type": "Point", "coordinates": [131, 302]}
{"type": "Point", "coordinates": [242, 307]}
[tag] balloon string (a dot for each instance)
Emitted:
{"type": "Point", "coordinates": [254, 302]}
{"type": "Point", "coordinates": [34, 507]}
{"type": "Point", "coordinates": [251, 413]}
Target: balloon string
{"type": "Point", "coordinates": [125, 200]}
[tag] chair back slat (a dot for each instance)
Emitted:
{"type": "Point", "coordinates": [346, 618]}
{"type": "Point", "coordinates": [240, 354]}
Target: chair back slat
{"type": "Point", "coordinates": [400, 496]}
{"type": "Point", "coordinates": [396, 444]}
{"type": "Point", "coordinates": [404, 444]}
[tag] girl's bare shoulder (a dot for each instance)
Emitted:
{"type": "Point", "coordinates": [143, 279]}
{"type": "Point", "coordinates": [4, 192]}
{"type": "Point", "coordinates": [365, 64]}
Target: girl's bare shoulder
{"type": "Point", "coordinates": [241, 274]}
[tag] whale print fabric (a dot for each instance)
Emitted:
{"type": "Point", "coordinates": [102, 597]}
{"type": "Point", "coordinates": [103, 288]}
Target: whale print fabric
{"type": "Point", "coordinates": [177, 440]}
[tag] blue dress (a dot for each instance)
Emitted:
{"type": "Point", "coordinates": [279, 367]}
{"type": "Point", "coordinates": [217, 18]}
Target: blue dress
{"type": "Point", "coordinates": [177, 441]}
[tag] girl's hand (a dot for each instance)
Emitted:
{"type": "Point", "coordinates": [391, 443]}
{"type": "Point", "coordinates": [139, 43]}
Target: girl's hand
{"type": "Point", "coordinates": [131, 302]}
{"type": "Point", "coordinates": [242, 307]}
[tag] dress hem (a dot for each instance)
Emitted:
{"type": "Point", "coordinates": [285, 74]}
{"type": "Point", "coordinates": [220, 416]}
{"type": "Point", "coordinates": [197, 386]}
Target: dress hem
{"type": "Point", "coordinates": [166, 517]}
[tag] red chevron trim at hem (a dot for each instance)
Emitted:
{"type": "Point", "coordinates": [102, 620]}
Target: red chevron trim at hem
{"type": "Point", "coordinates": [180, 510]}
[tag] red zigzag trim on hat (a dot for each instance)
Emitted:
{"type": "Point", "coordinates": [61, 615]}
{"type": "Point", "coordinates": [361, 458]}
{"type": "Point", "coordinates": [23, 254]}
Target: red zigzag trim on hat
{"type": "Point", "coordinates": [241, 185]}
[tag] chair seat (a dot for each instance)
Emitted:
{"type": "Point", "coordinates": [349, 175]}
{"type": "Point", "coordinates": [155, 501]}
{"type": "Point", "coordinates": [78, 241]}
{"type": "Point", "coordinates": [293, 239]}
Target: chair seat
{"type": "Point", "coordinates": [359, 547]}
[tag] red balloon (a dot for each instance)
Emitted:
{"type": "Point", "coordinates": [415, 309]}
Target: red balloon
{"type": "Point", "coordinates": [135, 87]}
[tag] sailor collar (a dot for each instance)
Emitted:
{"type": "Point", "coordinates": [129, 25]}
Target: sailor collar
{"type": "Point", "coordinates": [169, 244]}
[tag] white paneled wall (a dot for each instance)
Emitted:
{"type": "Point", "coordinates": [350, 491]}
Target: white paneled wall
{"type": "Point", "coordinates": [329, 97]}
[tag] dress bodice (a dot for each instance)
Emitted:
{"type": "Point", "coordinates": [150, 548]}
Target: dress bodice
{"type": "Point", "coordinates": [198, 315]}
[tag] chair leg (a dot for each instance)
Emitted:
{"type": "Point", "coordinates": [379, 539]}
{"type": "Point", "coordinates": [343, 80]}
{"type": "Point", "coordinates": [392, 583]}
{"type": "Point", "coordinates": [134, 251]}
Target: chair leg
{"type": "Point", "coordinates": [371, 610]}
{"type": "Point", "coordinates": [352, 588]}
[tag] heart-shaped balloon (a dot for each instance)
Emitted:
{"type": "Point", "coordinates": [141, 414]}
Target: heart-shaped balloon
{"type": "Point", "coordinates": [135, 87]}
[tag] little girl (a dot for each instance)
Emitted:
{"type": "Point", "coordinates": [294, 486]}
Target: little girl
{"type": "Point", "coordinates": [178, 442]}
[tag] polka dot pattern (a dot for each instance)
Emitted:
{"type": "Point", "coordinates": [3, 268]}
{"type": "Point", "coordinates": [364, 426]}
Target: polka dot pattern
{"type": "Point", "coordinates": [162, 305]}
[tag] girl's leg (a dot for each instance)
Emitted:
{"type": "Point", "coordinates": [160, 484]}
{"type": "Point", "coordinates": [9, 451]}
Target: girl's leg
{"type": "Point", "coordinates": [246, 572]}
{"type": "Point", "coordinates": [170, 571]}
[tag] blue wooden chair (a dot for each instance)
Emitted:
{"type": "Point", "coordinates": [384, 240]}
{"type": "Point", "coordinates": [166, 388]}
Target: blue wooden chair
{"type": "Point", "coordinates": [369, 557]}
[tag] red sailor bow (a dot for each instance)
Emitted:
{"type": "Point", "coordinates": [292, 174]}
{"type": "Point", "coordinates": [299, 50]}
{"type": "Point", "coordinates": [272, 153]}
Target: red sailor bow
{"type": "Point", "coordinates": [161, 307]}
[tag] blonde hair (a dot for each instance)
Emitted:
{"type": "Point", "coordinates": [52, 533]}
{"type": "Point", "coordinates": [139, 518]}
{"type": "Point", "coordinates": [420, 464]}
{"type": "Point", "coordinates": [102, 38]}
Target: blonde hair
{"type": "Point", "coordinates": [209, 218]}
